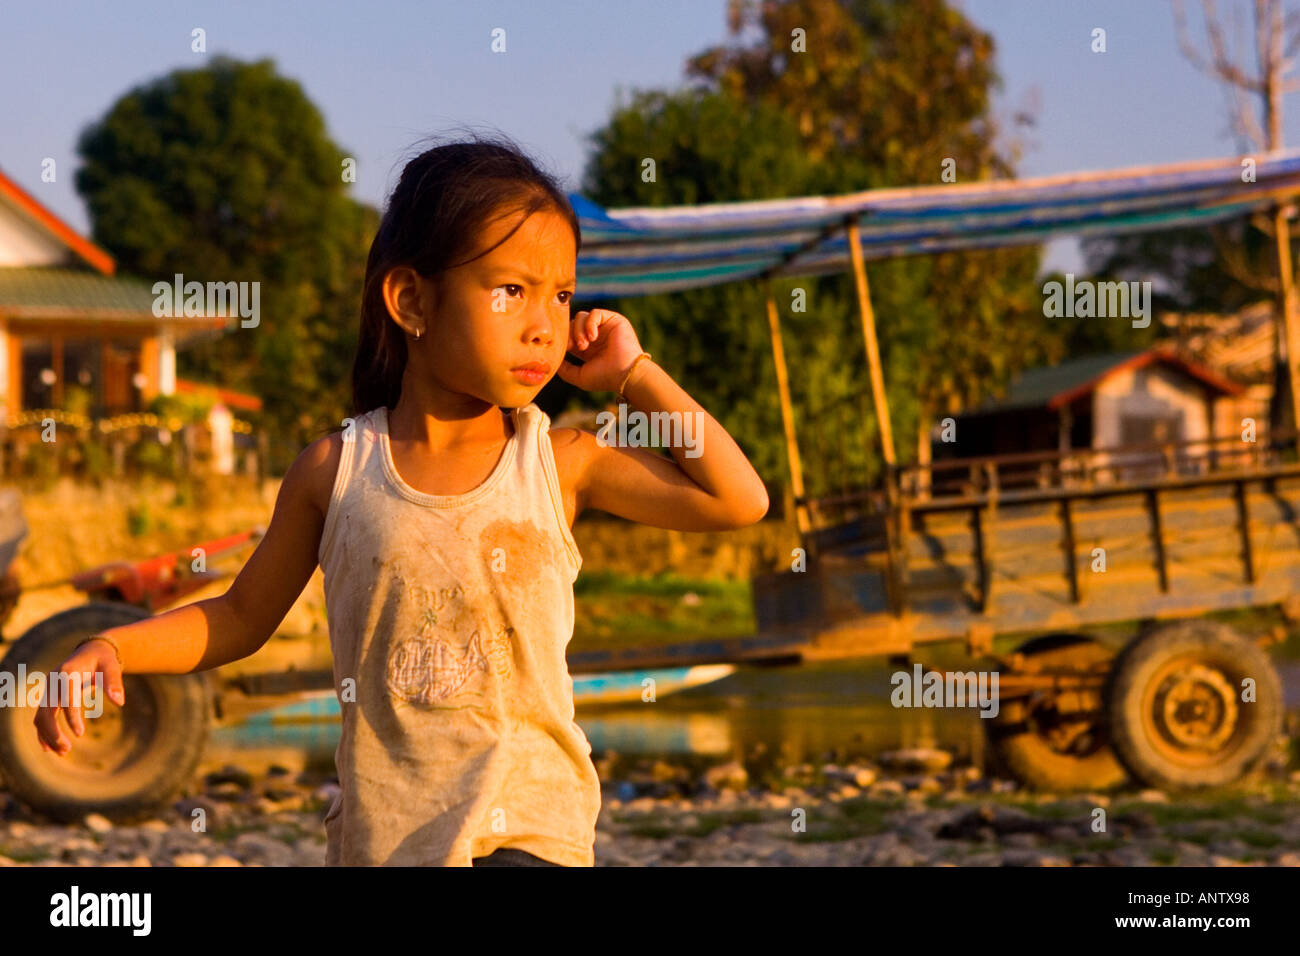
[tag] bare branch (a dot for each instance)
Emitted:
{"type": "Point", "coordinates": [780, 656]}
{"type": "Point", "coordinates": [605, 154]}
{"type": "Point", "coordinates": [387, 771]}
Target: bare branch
{"type": "Point", "coordinates": [1185, 44]}
{"type": "Point", "coordinates": [1263, 40]}
{"type": "Point", "coordinates": [1232, 66]}
{"type": "Point", "coordinates": [1245, 121]}
{"type": "Point", "coordinates": [1223, 66]}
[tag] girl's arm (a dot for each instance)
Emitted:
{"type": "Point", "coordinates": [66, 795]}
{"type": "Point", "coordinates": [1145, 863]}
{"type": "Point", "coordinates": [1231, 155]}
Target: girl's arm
{"type": "Point", "coordinates": [710, 486]}
{"type": "Point", "coordinates": [216, 631]}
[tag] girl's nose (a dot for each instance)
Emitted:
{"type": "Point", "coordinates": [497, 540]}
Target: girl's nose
{"type": "Point", "coordinates": [541, 331]}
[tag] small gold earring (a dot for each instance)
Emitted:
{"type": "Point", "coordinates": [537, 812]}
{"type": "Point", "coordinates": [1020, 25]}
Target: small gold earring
{"type": "Point", "coordinates": [418, 333]}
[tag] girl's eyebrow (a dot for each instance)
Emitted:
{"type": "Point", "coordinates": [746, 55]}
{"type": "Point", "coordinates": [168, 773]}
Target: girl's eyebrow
{"type": "Point", "coordinates": [528, 278]}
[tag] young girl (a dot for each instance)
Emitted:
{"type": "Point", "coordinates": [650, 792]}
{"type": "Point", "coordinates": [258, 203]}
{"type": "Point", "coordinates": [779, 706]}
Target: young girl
{"type": "Point", "coordinates": [441, 515]}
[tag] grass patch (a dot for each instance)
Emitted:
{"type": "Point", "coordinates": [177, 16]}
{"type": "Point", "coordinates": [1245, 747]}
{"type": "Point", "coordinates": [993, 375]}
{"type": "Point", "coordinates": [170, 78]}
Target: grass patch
{"type": "Point", "coordinates": [1066, 809]}
{"type": "Point", "coordinates": [35, 855]}
{"type": "Point", "coordinates": [289, 834]}
{"type": "Point", "coordinates": [1064, 812]}
{"type": "Point", "coordinates": [855, 818]}
{"type": "Point", "coordinates": [600, 583]}
{"type": "Point", "coordinates": [869, 815]}
{"type": "Point", "coordinates": [1102, 843]}
{"type": "Point", "coordinates": [1263, 839]}
{"type": "Point", "coordinates": [706, 823]}
{"type": "Point", "coordinates": [224, 834]}
{"type": "Point", "coordinates": [228, 831]}
{"type": "Point", "coordinates": [661, 831]}
{"type": "Point", "coordinates": [618, 610]}
{"type": "Point", "coordinates": [1230, 808]}
{"type": "Point", "coordinates": [655, 831]}
{"type": "Point", "coordinates": [826, 832]}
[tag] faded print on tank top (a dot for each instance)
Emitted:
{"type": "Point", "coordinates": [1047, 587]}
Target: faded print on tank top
{"type": "Point", "coordinates": [450, 615]}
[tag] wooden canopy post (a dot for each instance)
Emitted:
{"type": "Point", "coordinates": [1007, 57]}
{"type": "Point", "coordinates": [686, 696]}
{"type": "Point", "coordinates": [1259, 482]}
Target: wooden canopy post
{"type": "Point", "coordinates": [873, 349]}
{"type": "Point", "coordinates": [787, 420]}
{"type": "Point", "coordinates": [1289, 326]}
{"type": "Point", "coordinates": [897, 518]}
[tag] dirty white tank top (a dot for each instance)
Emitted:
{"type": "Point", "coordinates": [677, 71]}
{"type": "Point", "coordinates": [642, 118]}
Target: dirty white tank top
{"type": "Point", "coordinates": [448, 617]}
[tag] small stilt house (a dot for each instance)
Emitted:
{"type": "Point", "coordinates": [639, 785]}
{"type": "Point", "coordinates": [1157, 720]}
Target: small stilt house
{"type": "Point", "coordinates": [1131, 400]}
{"type": "Point", "coordinates": [76, 337]}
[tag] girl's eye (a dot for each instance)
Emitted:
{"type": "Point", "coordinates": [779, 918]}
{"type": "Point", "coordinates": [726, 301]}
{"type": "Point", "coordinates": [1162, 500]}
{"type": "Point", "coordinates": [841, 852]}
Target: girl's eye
{"type": "Point", "coordinates": [566, 296]}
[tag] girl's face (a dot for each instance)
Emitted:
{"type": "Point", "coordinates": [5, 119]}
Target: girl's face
{"type": "Point", "coordinates": [507, 309]}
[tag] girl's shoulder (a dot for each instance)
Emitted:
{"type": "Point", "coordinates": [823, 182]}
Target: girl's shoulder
{"type": "Point", "coordinates": [318, 464]}
{"type": "Point", "coordinates": [572, 449]}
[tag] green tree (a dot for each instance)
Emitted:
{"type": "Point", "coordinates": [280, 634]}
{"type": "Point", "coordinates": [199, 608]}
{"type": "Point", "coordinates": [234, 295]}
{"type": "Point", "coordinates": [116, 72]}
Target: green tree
{"type": "Point", "coordinates": [1219, 268]}
{"type": "Point", "coordinates": [227, 173]}
{"type": "Point", "coordinates": [709, 147]}
{"type": "Point", "coordinates": [870, 93]}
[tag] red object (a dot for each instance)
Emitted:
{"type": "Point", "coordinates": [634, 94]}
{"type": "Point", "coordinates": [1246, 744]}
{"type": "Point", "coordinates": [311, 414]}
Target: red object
{"type": "Point", "coordinates": [37, 213]}
{"type": "Point", "coordinates": [227, 396]}
{"type": "Point", "coordinates": [157, 582]}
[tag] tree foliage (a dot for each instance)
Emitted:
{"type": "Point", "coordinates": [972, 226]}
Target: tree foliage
{"type": "Point", "coordinates": [709, 147]}
{"type": "Point", "coordinates": [227, 173]}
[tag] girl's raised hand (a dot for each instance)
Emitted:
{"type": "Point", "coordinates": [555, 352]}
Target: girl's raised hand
{"type": "Point", "coordinates": [607, 345]}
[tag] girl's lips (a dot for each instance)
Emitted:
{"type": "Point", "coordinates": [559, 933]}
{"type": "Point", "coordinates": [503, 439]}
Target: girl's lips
{"type": "Point", "coordinates": [532, 376]}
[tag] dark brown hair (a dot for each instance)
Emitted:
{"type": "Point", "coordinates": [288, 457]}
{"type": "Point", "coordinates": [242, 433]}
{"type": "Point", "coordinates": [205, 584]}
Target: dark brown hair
{"type": "Point", "coordinates": [433, 220]}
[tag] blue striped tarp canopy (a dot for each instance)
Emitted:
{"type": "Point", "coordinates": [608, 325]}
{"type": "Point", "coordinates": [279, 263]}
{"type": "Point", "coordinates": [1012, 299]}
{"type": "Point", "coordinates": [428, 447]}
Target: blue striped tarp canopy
{"type": "Point", "coordinates": [648, 249]}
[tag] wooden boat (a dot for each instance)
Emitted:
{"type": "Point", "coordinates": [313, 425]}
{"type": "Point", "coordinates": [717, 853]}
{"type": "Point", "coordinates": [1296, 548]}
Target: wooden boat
{"type": "Point", "coordinates": [612, 688]}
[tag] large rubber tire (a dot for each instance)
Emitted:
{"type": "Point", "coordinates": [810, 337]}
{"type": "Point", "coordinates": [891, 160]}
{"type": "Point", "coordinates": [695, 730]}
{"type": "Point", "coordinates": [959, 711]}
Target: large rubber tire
{"type": "Point", "coordinates": [1020, 736]}
{"type": "Point", "coordinates": [1175, 709]}
{"type": "Point", "coordinates": [132, 759]}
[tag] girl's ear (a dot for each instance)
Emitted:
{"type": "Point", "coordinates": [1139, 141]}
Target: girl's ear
{"type": "Point", "coordinates": [405, 297]}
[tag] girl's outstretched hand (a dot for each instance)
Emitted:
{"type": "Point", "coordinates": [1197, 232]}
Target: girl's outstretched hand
{"type": "Point", "coordinates": [607, 345]}
{"type": "Point", "coordinates": [95, 657]}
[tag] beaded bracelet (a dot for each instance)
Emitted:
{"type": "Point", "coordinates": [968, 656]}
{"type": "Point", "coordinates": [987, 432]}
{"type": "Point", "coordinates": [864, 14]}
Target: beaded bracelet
{"type": "Point", "coordinates": [631, 369]}
{"type": "Point", "coordinates": [98, 637]}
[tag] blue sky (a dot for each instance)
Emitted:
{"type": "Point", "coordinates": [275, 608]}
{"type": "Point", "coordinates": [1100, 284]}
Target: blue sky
{"type": "Point", "coordinates": [387, 72]}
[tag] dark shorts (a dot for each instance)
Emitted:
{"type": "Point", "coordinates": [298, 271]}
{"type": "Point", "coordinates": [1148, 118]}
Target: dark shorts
{"type": "Point", "coordinates": [508, 856]}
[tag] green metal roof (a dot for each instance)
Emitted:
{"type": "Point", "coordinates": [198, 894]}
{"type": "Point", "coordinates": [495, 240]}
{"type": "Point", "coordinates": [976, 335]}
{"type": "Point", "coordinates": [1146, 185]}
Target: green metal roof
{"type": "Point", "coordinates": [50, 292]}
{"type": "Point", "coordinates": [1036, 387]}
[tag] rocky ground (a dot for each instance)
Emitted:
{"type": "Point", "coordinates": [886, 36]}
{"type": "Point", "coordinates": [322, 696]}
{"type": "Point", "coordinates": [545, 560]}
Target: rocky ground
{"type": "Point", "coordinates": [910, 808]}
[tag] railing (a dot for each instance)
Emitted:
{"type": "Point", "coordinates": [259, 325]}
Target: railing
{"type": "Point", "coordinates": [1084, 468]}
{"type": "Point", "coordinates": [1075, 470]}
{"type": "Point", "coordinates": [42, 444]}
{"type": "Point", "coordinates": [880, 519]}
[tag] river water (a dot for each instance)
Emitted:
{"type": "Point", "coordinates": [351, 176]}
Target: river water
{"type": "Point", "coordinates": [763, 717]}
